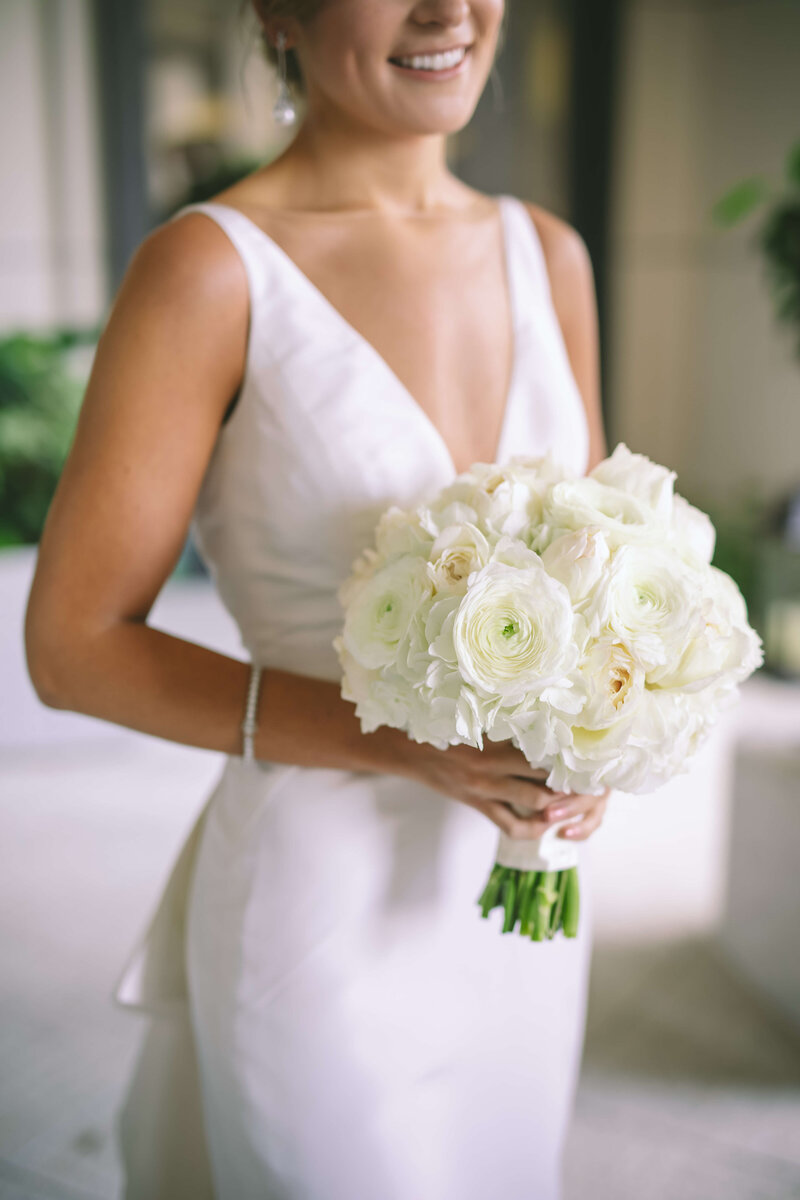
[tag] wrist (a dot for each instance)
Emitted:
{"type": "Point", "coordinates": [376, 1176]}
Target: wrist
{"type": "Point", "coordinates": [388, 751]}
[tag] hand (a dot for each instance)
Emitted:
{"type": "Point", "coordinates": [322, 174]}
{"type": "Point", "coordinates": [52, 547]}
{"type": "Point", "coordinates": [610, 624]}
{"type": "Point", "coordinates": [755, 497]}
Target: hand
{"type": "Point", "coordinates": [493, 779]}
{"type": "Point", "coordinates": [588, 811]}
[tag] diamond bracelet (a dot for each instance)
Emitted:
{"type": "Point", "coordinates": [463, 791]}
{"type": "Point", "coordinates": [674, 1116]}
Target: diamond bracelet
{"type": "Point", "coordinates": [249, 723]}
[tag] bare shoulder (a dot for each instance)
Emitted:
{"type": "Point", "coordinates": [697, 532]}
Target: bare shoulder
{"type": "Point", "coordinates": [572, 286]}
{"type": "Point", "coordinates": [569, 265]}
{"type": "Point", "coordinates": [190, 251]}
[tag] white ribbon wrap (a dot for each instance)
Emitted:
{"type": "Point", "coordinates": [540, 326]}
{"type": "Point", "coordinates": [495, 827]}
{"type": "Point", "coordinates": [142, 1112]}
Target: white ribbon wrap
{"type": "Point", "coordinates": [545, 853]}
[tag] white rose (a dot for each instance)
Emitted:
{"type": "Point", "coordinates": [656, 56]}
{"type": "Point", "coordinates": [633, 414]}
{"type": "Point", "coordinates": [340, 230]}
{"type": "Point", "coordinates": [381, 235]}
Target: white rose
{"type": "Point", "coordinates": [513, 629]}
{"type": "Point", "coordinates": [613, 682]}
{"type": "Point", "coordinates": [361, 570]}
{"type": "Point", "coordinates": [725, 649]}
{"type": "Point", "coordinates": [635, 474]}
{"type": "Point", "coordinates": [400, 531]}
{"type": "Point", "coordinates": [578, 560]}
{"type": "Point", "coordinates": [691, 530]}
{"type": "Point", "coordinates": [622, 516]}
{"type": "Point", "coordinates": [638, 753]}
{"type": "Point", "coordinates": [438, 515]}
{"type": "Point", "coordinates": [380, 612]}
{"type": "Point", "coordinates": [455, 554]}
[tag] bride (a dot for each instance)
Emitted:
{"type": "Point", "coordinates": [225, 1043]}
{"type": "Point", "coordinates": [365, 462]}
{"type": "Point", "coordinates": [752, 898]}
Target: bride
{"type": "Point", "coordinates": [346, 328]}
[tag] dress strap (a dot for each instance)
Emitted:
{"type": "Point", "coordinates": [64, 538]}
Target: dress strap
{"type": "Point", "coordinates": [241, 232]}
{"type": "Point", "coordinates": [528, 255]}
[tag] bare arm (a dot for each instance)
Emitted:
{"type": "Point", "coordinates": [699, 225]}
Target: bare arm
{"type": "Point", "coordinates": [170, 358]}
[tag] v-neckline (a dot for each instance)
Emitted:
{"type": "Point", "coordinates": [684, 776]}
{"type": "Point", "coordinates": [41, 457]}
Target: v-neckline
{"type": "Point", "coordinates": [504, 201]}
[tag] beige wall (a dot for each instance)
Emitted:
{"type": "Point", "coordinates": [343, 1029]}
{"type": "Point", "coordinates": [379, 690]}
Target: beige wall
{"type": "Point", "coordinates": [703, 378]}
{"type": "Point", "coordinates": [51, 251]}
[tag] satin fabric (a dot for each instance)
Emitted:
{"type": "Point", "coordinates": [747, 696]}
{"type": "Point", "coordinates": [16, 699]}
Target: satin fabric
{"type": "Point", "coordinates": [330, 1017]}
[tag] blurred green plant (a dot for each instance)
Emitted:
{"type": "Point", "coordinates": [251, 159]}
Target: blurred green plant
{"type": "Point", "coordinates": [778, 237]}
{"type": "Point", "coordinates": [740, 523]}
{"type": "Point", "coordinates": [41, 392]}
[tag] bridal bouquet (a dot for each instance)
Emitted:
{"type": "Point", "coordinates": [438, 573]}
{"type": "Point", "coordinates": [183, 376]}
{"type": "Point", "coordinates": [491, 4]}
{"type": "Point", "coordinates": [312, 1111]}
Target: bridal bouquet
{"type": "Point", "coordinates": [578, 616]}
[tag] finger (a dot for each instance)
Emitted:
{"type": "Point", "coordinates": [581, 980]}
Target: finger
{"type": "Point", "coordinates": [570, 806]}
{"type": "Point", "coordinates": [511, 825]}
{"type": "Point", "coordinates": [582, 828]}
{"type": "Point", "coordinates": [527, 794]}
{"type": "Point", "coordinates": [506, 759]}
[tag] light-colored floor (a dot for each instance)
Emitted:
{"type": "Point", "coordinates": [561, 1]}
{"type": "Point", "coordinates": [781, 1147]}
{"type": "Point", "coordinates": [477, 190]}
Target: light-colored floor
{"type": "Point", "coordinates": [690, 1088]}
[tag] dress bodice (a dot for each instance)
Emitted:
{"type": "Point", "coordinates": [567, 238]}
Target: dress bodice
{"type": "Point", "coordinates": [324, 437]}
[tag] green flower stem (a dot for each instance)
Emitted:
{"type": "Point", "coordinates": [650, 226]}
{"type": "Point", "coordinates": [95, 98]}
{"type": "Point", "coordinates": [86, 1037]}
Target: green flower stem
{"type": "Point", "coordinates": [509, 897]}
{"type": "Point", "coordinates": [559, 904]}
{"type": "Point", "coordinates": [571, 904]}
{"type": "Point", "coordinates": [526, 914]}
{"type": "Point", "coordinates": [491, 893]}
{"type": "Point", "coordinates": [544, 899]}
{"type": "Point", "coordinates": [526, 890]}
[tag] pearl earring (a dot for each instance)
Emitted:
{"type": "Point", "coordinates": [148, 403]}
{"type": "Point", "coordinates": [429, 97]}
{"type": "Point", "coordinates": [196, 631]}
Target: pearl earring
{"type": "Point", "coordinates": [283, 112]}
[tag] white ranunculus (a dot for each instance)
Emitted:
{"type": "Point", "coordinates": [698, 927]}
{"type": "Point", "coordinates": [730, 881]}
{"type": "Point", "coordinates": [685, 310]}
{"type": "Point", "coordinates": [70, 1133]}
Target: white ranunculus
{"type": "Point", "coordinates": [458, 551]}
{"type": "Point", "coordinates": [578, 617]}
{"type": "Point", "coordinates": [382, 608]}
{"type": "Point", "coordinates": [636, 475]}
{"type": "Point", "coordinates": [513, 629]}
{"type": "Point", "coordinates": [649, 598]}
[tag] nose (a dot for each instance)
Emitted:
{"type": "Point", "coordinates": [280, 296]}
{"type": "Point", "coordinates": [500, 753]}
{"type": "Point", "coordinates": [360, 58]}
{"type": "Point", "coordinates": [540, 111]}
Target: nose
{"type": "Point", "coordinates": [442, 12]}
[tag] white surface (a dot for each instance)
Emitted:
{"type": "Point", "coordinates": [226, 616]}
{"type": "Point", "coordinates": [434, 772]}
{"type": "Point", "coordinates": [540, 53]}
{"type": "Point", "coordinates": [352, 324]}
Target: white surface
{"type": "Point", "coordinates": [760, 930]}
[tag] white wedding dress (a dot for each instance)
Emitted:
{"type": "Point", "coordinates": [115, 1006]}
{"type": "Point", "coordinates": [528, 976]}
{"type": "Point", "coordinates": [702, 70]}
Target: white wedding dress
{"type": "Point", "coordinates": [331, 1018]}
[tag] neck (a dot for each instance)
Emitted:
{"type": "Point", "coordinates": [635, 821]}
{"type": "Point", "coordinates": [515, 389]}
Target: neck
{"type": "Point", "coordinates": [335, 164]}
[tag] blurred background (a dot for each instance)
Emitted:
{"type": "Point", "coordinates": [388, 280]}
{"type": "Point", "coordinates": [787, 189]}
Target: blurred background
{"type": "Point", "coordinates": [668, 133]}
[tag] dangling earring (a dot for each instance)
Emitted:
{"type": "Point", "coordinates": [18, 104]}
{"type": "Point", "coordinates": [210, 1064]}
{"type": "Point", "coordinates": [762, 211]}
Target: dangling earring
{"type": "Point", "coordinates": [283, 112]}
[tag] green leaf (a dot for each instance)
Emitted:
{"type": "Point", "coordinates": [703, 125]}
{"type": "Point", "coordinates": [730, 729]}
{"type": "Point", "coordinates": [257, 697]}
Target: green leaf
{"type": "Point", "coordinates": [739, 202]}
{"type": "Point", "coordinates": [793, 165]}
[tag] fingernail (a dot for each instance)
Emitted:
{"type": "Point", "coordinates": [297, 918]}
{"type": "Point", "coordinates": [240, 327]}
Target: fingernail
{"type": "Point", "coordinates": [569, 831]}
{"type": "Point", "coordinates": [555, 813]}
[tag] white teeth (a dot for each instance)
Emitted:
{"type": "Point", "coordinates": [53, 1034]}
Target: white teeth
{"type": "Point", "coordinates": [434, 62]}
